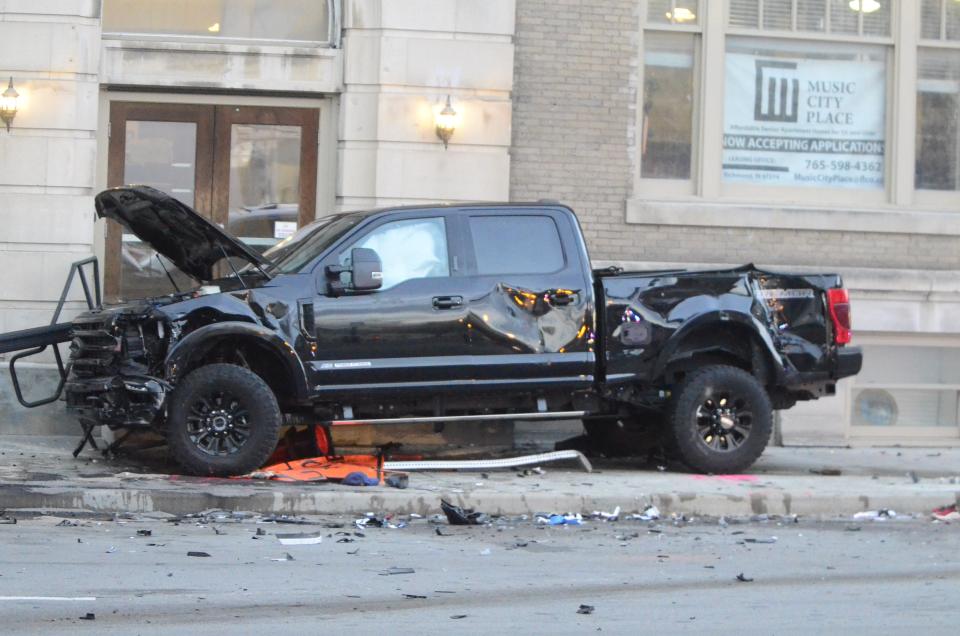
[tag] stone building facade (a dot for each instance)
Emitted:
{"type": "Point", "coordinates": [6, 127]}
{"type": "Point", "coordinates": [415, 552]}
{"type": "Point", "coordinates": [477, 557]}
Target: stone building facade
{"type": "Point", "coordinates": [654, 119]}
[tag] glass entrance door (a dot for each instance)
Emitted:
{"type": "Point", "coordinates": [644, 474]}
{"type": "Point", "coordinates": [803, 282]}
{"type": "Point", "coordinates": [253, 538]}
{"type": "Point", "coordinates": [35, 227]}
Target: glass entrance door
{"type": "Point", "coordinates": [249, 169]}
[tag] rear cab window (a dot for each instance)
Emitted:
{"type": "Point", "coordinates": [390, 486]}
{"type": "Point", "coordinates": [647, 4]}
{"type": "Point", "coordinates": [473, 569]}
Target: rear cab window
{"type": "Point", "coordinates": [516, 244]}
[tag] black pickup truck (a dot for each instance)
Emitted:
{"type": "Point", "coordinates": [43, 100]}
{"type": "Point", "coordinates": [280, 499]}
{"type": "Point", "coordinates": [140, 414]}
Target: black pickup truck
{"type": "Point", "coordinates": [445, 313]}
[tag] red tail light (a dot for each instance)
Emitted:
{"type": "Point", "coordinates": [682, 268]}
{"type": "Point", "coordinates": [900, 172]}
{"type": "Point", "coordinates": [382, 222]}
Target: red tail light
{"type": "Point", "coordinates": [838, 300]}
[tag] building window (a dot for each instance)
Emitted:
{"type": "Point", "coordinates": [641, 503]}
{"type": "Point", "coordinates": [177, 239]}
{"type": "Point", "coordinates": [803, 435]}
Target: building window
{"type": "Point", "coordinates": [940, 20]}
{"type": "Point", "coordinates": [667, 134]}
{"type": "Point", "coordinates": [804, 114]}
{"type": "Point", "coordinates": [908, 386]}
{"type": "Point", "coordinates": [245, 20]}
{"type": "Point", "coordinates": [938, 111]}
{"type": "Point", "coordinates": [842, 17]}
{"type": "Point", "coordinates": [666, 138]}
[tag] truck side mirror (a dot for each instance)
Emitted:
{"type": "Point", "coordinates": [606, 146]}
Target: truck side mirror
{"type": "Point", "coordinates": [367, 269]}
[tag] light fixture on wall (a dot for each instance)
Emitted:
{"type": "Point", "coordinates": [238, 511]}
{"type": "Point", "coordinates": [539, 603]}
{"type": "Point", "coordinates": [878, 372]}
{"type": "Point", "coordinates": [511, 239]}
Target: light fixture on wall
{"type": "Point", "coordinates": [446, 122]}
{"type": "Point", "coordinates": [864, 6]}
{"type": "Point", "coordinates": [8, 104]}
{"type": "Point", "coordinates": [679, 15]}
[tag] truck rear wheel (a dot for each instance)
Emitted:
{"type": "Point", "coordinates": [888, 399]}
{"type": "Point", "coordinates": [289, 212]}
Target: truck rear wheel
{"type": "Point", "coordinates": [224, 420]}
{"type": "Point", "coordinates": [720, 420]}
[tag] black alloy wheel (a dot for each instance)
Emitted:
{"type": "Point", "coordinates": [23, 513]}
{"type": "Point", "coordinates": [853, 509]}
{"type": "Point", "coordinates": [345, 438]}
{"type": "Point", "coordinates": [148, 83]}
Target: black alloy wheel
{"type": "Point", "coordinates": [224, 420]}
{"type": "Point", "coordinates": [720, 419]}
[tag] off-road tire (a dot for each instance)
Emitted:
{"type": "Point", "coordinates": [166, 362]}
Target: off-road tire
{"type": "Point", "coordinates": [691, 420]}
{"type": "Point", "coordinates": [247, 393]}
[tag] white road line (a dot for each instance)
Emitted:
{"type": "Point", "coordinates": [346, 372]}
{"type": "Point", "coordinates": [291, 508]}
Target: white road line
{"type": "Point", "coordinates": [48, 598]}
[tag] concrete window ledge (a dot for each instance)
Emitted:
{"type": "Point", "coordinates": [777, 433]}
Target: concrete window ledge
{"type": "Point", "coordinates": [790, 217]}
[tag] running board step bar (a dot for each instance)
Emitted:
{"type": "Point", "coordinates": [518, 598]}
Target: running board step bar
{"type": "Point", "coordinates": [559, 415]}
{"type": "Point", "coordinates": [489, 464]}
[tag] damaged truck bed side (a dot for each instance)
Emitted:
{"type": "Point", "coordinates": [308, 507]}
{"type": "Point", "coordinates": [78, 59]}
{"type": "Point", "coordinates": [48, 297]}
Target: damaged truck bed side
{"type": "Point", "coordinates": [438, 313]}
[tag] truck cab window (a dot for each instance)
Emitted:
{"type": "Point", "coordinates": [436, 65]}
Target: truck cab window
{"type": "Point", "coordinates": [415, 248]}
{"type": "Point", "coordinates": [516, 245]}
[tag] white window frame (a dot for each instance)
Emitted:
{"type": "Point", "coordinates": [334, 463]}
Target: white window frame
{"type": "Point", "coordinates": [932, 199]}
{"type": "Point", "coordinates": [709, 202]}
{"type": "Point", "coordinates": [331, 41]}
{"type": "Point", "coordinates": [661, 187]}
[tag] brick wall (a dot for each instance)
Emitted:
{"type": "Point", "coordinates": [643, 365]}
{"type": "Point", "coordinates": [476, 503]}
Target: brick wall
{"type": "Point", "coordinates": [575, 83]}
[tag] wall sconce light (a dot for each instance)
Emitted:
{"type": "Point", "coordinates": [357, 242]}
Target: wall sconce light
{"type": "Point", "coordinates": [8, 104]}
{"type": "Point", "coordinates": [446, 121]}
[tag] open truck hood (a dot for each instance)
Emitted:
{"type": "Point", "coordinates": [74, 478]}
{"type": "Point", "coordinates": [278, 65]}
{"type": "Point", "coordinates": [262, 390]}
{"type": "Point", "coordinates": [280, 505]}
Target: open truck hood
{"type": "Point", "coordinates": [173, 229]}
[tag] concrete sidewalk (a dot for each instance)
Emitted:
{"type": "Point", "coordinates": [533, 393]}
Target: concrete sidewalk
{"type": "Point", "coordinates": [39, 473]}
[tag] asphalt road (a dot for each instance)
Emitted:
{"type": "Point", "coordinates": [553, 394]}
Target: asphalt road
{"type": "Point", "coordinates": [510, 577]}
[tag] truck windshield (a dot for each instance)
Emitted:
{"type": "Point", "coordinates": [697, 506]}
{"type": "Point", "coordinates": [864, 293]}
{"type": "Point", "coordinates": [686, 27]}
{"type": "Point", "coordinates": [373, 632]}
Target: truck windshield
{"type": "Point", "coordinates": [295, 251]}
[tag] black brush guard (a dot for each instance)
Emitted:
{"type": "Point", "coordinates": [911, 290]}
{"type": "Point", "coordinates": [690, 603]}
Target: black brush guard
{"type": "Point", "coordinates": [30, 342]}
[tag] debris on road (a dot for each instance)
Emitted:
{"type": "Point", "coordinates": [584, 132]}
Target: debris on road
{"type": "Point", "coordinates": [414, 596]}
{"type": "Point", "coordinates": [585, 609]}
{"type": "Point", "coordinates": [300, 538]}
{"type": "Point", "coordinates": [7, 519]}
{"type": "Point", "coordinates": [761, 540]}
{"type": "Point", "coordinates": [198, 554]}
{"type": "Point", "coordinates": [607, 516]}
{"type": "Point", "coordinates": [286, 557]}
{"type": "Point", "coordinates": [743, 578]}
{"type": "Point", "coordinates": [650, 513]}
{"type": "Point", "coordinates": [556, 519]}
{"type": "Point", "coordinates": [358, 478]}
{"type": "Point", "coordinates": [89, 616]}
{"type": "Point", "coordinates": [826, 472]}
{"type": "Point", "coordinates": [458, 516]}
{"type": "Point", "coordinates": [395, 570]}
{"type": "Point", "coordinates": [946, 513]}
{"type": "Point", "coordinates": [876, 515]}
{"type": "Point", "coordinates": [144, 533]}
{"type": "Point", "coordinates": [457, 617]}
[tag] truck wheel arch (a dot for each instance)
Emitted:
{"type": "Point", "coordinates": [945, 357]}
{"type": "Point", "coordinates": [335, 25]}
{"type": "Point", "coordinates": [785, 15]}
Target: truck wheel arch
{"type": "Point", "coordinates": [262, 350]}
{"type": "Point", "coordinates": [742, 344]}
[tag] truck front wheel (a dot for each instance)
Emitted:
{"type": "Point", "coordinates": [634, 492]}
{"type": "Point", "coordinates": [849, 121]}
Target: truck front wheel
{"type": "Point", "coordinates": [720, 420]}
{"type": "Point", "coordinates": [223, 420]}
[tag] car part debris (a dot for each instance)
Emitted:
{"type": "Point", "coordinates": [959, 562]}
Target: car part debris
{"type": "Point", "coordinates": [555, 519]}
{"type": "Point", "coordinates": [876, 515]}
{"type": "Point", "coordinates": [607, 516]}
{"type": "Point", "coordinates": [300, 538]}
{"type": "Point", "coordinates": [286, 519]}
{"type": "Point", "coordinates": [400, 481]}
{"type": "Point", "coordinates": [89, 616]}
{"type": "Point", "coordinates": [144, 533]}
{"type": "Point", "coordinates": [8, 520]}
{"type": "Point", "coordinates": [743, 578]}
{"type": "Point", "coordinates": [457, 617]}
{"type": "Point", "coordinates": [586, 609]}
{"type": "Point", "coordinates": [414, 596]}
{"type": "Point", "coordinates": [761, 540]}
{"type": "Point", "coordinates": [286, 557]}
{"type": "Point", "coordinates": [198, 554]}
{"type": "Point", "coordinates": [826, 472]}
{"type": "Point", "coordinates": [67, 523]}
{"type": "Point", "coordinates": [458, 516]}
{"type": "Point", "coordinates": [946, 513]}
{"type": "Point", "coordinates": [489, 464]}
{"type": "Point", "coordinates": [395, 570]}
{"type": "Point", "coordinates": [650, 513]}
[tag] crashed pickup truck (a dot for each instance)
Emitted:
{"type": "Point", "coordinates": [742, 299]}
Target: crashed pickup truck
{"type": "Point", "coordinates": [445, 313]}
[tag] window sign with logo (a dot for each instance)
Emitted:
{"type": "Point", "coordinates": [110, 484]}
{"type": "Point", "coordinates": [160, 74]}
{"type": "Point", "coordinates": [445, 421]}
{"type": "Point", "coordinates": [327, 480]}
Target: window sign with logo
{"type": "Point", "coordinates": [801, 116]}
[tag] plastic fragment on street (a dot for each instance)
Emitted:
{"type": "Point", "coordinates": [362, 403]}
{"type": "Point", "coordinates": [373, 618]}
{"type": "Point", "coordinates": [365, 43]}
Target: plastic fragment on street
{"type": "Point", "coordinates": [395, 570]}
{"type": "Point", "coordinates": [300, 538]}
{"type": "Point", "coordinates": [876, 515]}
{"type": "Point", "coordinates": [555, 519]}
{"type": "Point", "coordinates": [607, 516]}
{"type": "Point", "coordinates": [650, 513]}
{"type": "Point", "coordinates": [946, 513]}
{"type": "Point", "coordinates": [197, 554]}
{"type": "Point", "coordinates": [743, 578]}
{"type": "Point", "coordinates": [458, 516]}
{"type": "Point", "coordinates": [485, 464]}
{"type": "Point", "coordinates": [586, 609]}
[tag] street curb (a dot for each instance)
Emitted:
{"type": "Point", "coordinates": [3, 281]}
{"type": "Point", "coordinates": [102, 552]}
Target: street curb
{"type": "Point", "coordinates": [320, 500]}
